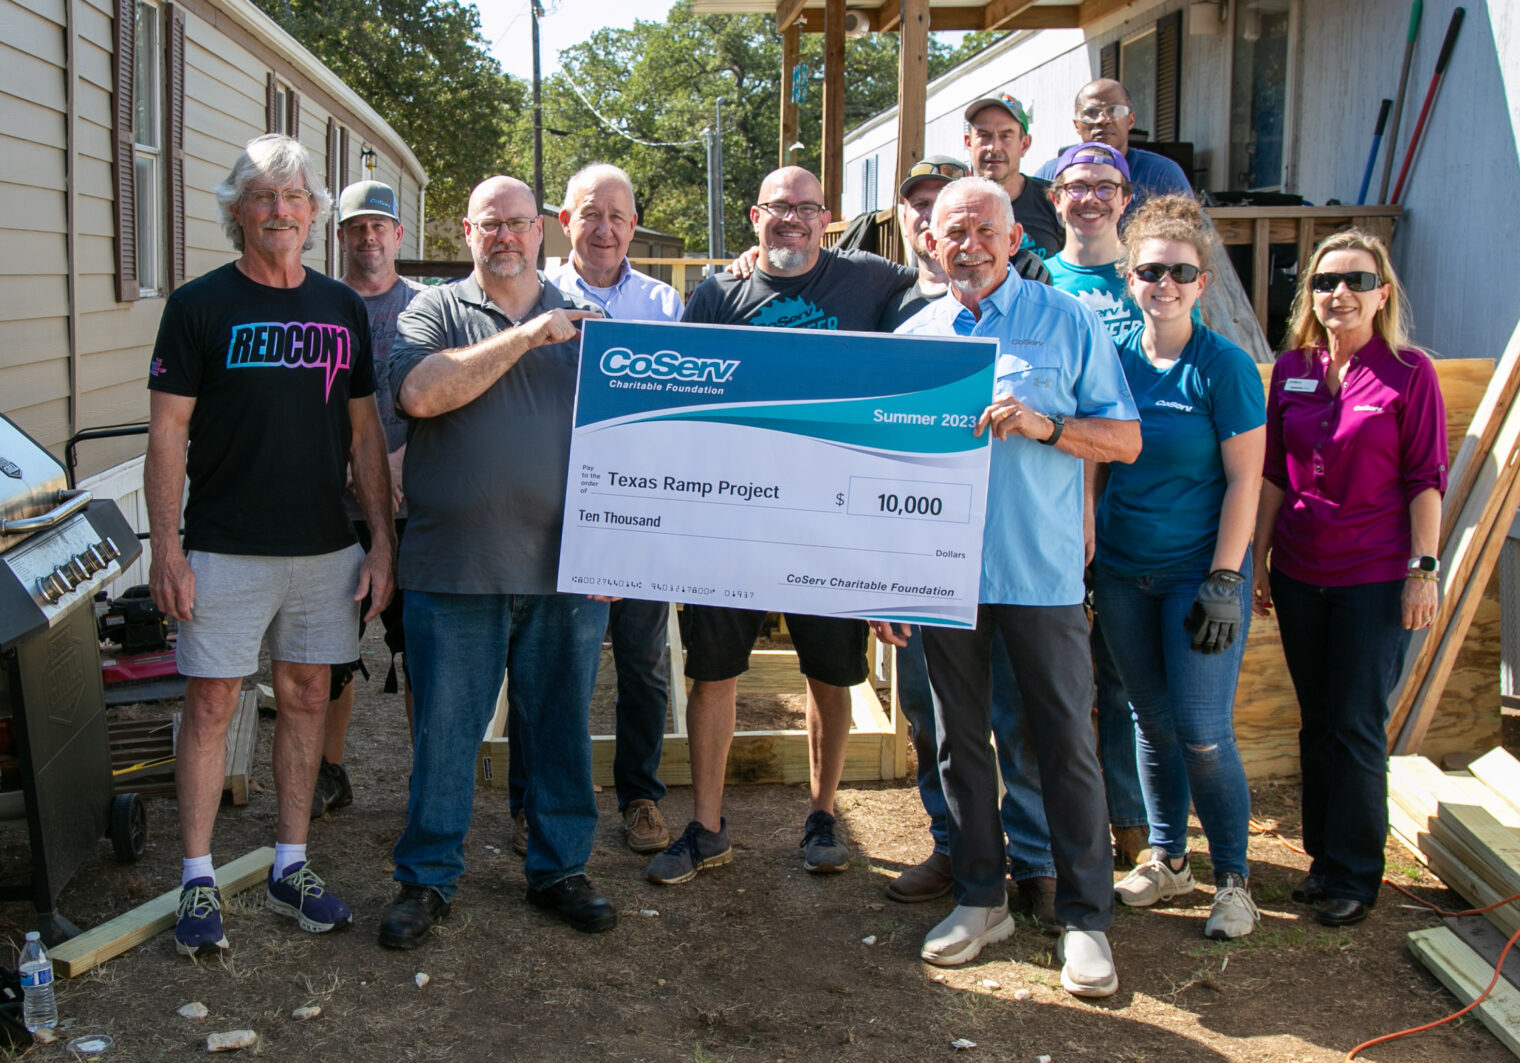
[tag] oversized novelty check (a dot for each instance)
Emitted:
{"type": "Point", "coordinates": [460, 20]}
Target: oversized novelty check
{"type": "Point", "coordinates": [830, 473]}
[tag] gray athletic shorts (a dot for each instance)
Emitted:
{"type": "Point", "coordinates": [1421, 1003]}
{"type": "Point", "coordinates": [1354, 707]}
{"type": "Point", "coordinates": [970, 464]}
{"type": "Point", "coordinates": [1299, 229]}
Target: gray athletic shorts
{"type": "Point", "coordinates": [304, 606]}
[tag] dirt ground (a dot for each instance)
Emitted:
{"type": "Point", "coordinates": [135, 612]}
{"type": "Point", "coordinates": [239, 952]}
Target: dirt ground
{"type": "Point", "coordinates": [754, 961]}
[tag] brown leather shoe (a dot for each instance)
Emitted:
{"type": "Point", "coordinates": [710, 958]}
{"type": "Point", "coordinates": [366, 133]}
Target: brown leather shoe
{"type": "Point", "coordinates": [645, 827]}
{"type": "Point", "coordinates": [1129, 845]}
{"type": "Point", "coordinates": [520, 833]}
{"type": "Point", "coordinates": [922, 882]}
{"type": "Point", "coordinates": [1036, 897]}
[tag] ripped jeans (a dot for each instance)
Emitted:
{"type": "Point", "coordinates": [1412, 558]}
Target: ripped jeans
{"type": "Point", "coordinates": [1184, 704]}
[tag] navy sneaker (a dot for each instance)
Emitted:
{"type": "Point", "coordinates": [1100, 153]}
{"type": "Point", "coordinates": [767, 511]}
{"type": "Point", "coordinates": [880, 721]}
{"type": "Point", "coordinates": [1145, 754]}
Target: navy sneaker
{"type": "Point", "coordinates": [303, 896]}
{"type": "Point", "coordinates": [697, 848]}
{"type": "Point", "coordinates": [198, 929]}
{"type": "Point", "coordinates": [822, 853]}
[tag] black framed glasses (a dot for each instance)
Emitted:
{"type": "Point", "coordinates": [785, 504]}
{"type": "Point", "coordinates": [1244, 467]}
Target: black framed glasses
{"type": "Point", "coordinates": [294, 198]}
{"type": "Point", "coordinates": [492, 226]}
{"type": "Point", "coordinates": [779, 209]}
{"type": "Point", "coordinates": [953, 171]}
{"type": "Point", "coordinates": [1104, 190]}
{"type": "Point", "coordinates": [1182, 272]}
{"type": "Point", "coordinates": [1358, 280]}
{"type": "Point", "coordinates": [1113, 112]}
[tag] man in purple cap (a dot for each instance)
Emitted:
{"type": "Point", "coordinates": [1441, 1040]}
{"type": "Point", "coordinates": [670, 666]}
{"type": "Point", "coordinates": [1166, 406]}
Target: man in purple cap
{"type": "Point", "coordinates": [997, 136]}
{"type": "Point", "coordinates": [1105, 113]}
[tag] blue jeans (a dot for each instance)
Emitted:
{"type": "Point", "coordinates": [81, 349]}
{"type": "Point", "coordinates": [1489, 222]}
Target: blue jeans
{"type": "Point", "coordinates": [1184, 704]}
{"type": "Point", "coordinates": [1116, 738]}
{"type": "Point", "coordinates": [459, 646]}
{"type": "Point", "coordinates": [637, 630]}
{"type": "Point", "coordinates": [1345, 648]}
{"type": "Point", "coordinates": [1023, 815]}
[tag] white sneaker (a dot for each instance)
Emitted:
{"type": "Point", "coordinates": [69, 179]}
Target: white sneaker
{"type": "Point", "coordinates": [1155, 881]}
{"type": "Point", "coordinates": [1087, 963]}
{"type": "Point", "coordinates": [964, 931]}
{"type": "Point", "coordinates": [1234, 914]}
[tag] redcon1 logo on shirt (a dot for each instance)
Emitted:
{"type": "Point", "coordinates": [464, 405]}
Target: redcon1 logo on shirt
{"type": "Point", "coordinates": [292, 345]}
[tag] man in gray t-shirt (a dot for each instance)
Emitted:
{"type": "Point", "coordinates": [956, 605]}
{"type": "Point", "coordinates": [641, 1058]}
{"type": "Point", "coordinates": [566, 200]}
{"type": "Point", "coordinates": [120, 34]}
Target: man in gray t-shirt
{"type": "Point", "coordinates": [486, 370]}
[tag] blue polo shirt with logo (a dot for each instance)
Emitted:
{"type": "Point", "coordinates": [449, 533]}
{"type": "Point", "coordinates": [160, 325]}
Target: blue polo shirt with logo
{"type": "Point", "coordinates": [1162, 511]}
{"type": "Point", "coordinates": [1055, 356]}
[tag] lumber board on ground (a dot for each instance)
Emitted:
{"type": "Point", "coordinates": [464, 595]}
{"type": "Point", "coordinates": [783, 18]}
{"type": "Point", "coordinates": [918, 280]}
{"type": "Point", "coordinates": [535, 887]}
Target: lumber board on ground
{"type": "Point", "coordinates": [1461, 880]}
{"type": "Point", "coordinates": [110, 939]}
{"type": "Point", "coordinates": [1500, 772]}
{"type": "Point", "coordinates": [242, 744]}
{"type": "Point", "coordinates": [1486, 849]}
{"type": "Point", "coordinates": [1469, 449]}
{"type": "Point", "coordinates": [1484, 938]}
{"type": "Point", "coordinates": [1466, 975]}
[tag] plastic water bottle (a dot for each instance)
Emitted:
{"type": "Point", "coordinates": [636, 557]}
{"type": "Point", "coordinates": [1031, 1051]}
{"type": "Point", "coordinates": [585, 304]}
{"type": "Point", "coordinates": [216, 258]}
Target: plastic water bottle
{"type": "Point", "coordinates": [39, 1008]}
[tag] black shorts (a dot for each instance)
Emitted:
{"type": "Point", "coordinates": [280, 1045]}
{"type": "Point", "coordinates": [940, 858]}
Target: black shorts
{"type": "Point", "coordinates": [718, 640]}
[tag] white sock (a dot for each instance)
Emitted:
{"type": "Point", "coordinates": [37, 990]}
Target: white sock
{"type": "Point", "coordinates": [194, 867]}
{"type": "Point", "coordinates": [287, 857]}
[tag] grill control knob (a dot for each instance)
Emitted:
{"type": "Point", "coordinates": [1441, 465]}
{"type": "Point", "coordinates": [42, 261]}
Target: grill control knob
{"type": "Point", "coordinates": [66, 577]}
{"type": "Point", "coordinates": [51, 588]}
{"type": "Point", "coordinates": [97, 558]}
{"type": "Point", "coordinates": [108, 549]}
{"type": "Point", "coordinates": [76, 570]}
{"type": "Point", "coordinates": [91, 561]}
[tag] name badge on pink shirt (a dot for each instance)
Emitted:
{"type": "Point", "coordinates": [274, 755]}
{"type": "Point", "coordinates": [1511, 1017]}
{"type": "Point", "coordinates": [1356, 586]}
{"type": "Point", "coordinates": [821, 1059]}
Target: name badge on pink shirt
{"type": "Point", "coordinates": [1300, 383]}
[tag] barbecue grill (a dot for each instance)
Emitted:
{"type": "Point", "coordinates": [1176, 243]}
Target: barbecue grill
{"type": "Point", "coordinates": [57, 548]}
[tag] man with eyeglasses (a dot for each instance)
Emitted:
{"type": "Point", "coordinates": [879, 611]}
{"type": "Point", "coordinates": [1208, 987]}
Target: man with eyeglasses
{"type": "Point", "coordinates": [798, 284]}
{"type": "Point", "coordinates": [485, 369]}
{"type": "Point", "coordinates": [997, 136]}
{"type": "Point", "coordinates": [262, 369]}
{"type": "Point", "coordinates": [1106, 114]}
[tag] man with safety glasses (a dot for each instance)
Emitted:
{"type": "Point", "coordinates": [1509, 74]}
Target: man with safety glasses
{"type": "Point", "coordinates": [1106, 114]}
{"type": "Point", "coordinates": [799, 284]}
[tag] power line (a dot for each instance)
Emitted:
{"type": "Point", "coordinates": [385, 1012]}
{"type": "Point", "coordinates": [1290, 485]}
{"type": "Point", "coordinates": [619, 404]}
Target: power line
{"type": "Point", "coordinates": [604, 120]}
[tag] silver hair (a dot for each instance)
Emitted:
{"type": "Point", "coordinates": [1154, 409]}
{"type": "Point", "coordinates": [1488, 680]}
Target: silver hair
{"type": "Point", "coordinates": [588, 176]}
{"type": "Point", "coordinates": [278, 158]}
{"type": "Point", "coordinates": [985, 185]}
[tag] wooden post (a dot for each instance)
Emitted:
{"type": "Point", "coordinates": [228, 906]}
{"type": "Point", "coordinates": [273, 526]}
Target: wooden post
{"type": "Point", "coordinates": [791, 42]}
{"type": "Point", "coordinates": [833, 105]}
{"type": "Point", "coordinates": [912, 85]}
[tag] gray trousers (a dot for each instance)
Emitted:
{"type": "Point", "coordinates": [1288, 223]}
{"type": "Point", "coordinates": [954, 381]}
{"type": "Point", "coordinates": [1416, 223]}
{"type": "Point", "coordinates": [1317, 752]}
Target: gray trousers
{"type": "Point", "coordinates": [1052, 660]}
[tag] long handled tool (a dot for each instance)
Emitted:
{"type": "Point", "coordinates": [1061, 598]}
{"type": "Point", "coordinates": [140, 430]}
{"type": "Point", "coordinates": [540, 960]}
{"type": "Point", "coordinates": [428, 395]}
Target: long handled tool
{"type": "Point", "coordinates": [1377, 140]}
{"type": "Point", "coordinates": [1398, 106]}
{"type": "Point", "coordinates": [1447, 45]}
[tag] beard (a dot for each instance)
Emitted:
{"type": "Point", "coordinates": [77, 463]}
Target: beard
{"type": "Point", "coordinates": [784, 259]}
{"type": "Point", "coordinates": [505, 267]}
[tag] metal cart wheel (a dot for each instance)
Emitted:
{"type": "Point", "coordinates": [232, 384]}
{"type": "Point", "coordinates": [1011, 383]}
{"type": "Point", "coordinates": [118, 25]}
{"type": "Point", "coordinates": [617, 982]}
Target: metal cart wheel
{"type": "Point", "coordinates": [129, 827]}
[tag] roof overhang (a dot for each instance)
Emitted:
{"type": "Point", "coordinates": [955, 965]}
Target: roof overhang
{"type": "Point", "coordinates": [883, 15]}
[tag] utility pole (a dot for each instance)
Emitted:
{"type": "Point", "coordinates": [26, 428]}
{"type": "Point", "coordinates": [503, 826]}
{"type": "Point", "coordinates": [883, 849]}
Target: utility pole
{"type": "Point", "coordinates": [538, 126]}
{"type": "Point", "coordinates": [714, 138]}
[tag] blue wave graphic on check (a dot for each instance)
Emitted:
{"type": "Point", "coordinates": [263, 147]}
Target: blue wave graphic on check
{"type": "Point", "coordinates": [936, 421]}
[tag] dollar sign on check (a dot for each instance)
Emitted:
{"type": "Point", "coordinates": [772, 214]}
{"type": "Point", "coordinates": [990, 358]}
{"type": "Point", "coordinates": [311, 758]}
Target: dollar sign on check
{"type": "Point", "coordinates": [838, 498]}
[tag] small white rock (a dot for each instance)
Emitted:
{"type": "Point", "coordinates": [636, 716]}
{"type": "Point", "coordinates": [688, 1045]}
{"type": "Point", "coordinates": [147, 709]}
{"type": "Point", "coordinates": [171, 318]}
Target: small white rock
{"type": "Point", "coordinates": [310, 1011]}
{"type": "Point", "coordinates": [962, 1044]}
{"type": "Point", "coordinates": [231, 1041]}
{"type": "Point", "coordinates": [44, 1036]}
{"type": "Point", "coordinates": [421, 979]}
{"type": "Point", "coordinates": [649, 913]}
{"type": "Point", "coordinates": [1041, 1059]}
{"type": "Point", "coordinates": [869, 939]}
{"type": "Point", "coordinates": [988, 983]}
{"type": "Point", "coordinates": [1022, 994]}
{"type": "Point", "coordinates": [194, 1010]}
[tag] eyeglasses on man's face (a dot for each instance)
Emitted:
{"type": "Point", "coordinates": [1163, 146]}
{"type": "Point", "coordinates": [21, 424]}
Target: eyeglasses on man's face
{"type": "Point", "coordinates": [1113, 113]}
{"type": "Point", "coordinates": [1075, 190]}
{"type": "Point", "coordinates": [779, 209]}
{"type": "Point", "coordinates": [492, 226]}
{"type": "Point", "coordinates": [294, 198]}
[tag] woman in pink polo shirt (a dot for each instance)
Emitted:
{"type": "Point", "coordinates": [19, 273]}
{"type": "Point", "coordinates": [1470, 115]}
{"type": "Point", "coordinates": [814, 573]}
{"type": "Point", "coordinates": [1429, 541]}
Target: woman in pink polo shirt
{"type": "Point", "coordinates": [1348, 526]}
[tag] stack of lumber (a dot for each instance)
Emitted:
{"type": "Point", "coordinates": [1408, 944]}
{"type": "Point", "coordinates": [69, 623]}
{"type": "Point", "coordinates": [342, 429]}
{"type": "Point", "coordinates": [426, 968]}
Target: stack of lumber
{"type": "Point", "coordinates": [1465, 826]}
{"type": "Point", "coordinates": [1483, 492]}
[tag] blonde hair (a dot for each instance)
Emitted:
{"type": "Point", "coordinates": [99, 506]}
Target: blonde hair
{"type": "Point", "coordinates": [1177, 218]}
{"type": "Point", "coordinates": [1391, 322]}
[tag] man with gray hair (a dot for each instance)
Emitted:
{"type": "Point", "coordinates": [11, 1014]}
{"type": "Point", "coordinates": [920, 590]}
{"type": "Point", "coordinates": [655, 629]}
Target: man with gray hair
{"type": "Point", "coordinates": [263, 372]}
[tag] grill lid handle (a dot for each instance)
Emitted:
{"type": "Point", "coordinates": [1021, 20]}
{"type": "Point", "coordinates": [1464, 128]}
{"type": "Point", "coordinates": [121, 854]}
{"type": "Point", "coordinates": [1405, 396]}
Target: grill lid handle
{"type": "Point", "coordinates": [69, 503]}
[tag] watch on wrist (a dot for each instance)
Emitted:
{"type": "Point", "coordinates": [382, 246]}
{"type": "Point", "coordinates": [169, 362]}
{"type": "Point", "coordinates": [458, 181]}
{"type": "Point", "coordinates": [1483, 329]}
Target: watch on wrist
{"type": "Point", "coordinates": [1055, 434]}
{"type": "Point", "coordinates": [1425, 563]}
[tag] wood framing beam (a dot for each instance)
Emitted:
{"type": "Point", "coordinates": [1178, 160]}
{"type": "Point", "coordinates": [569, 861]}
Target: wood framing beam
{"type": "Point", "coordinates": [1063, 17]}
{"type": "Point", "coordinates": [833, 105]}
{"type": "Point", "coordinates": [1000, 12]}
{"type": "Point", "coordinates": [791, 47]}
{"type": "Point", "coordinates": [886, 18]}
{"type": "Point", "coordinates": [787, 12]}
{"type": "Point", "coordinates": [1090, 11]}
{"type": "Point", "coordinates": [912, 84]}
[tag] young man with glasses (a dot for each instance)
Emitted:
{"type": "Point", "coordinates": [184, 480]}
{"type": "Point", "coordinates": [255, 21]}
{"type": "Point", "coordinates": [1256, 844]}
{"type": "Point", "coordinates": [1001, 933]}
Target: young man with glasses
{"type": "Point", "coordinates": [798, 284]}
{"type": "Point", "coordinates": [263, 371]}
{"type": "Point", "coordinates": [1105, 114]}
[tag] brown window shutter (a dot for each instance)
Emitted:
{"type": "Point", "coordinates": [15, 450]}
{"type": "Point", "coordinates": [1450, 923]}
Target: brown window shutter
{"type": "Point", "coordinates": [343, 150]}
{"type": "Point", "coordinates": [294, 101]}
{"type": "Point", "coordinates": [271, 104]}
{"type": "Point", "coordinates": [1169, 77]}
{"type": "Point", "coordinates": [175, 142]}
{"type": "Point", "coordinates": [333, 190]}
{"type": "Point", "coordinates": [121, 144]}
{"type": "Point", "coordinates": [1108, 61]}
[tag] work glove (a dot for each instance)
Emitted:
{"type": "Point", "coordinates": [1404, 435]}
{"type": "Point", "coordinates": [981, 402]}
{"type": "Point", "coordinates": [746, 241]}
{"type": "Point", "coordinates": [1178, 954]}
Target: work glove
{"type": "Point", "coordinates": [1216, 612]}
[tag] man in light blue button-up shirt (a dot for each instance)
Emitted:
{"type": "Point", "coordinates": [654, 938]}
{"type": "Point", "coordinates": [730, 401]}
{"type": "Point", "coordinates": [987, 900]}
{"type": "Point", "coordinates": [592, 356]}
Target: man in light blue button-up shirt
{"type": "Point", "coordinates": [1060, 400]}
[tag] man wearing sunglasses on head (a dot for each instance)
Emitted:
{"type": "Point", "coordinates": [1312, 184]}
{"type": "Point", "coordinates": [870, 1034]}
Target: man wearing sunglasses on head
{"type": "Point", "coordinates": [799, 284]}
{"type": "Point", "coordinates": [1105, 114]}
{"type": "Point", "coordinates": [997, 136]}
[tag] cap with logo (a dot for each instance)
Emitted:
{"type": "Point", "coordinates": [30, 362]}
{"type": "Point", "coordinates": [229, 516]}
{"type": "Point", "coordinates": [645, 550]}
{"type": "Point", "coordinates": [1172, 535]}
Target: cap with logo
{"type": "Point", "coordinates": [1008, 102]}
{"type": "Point", "coordinates": [1092, 153]}
{"type": "Point", "coordinates": [932, 168]}
{"type": "Point", "coordinates": [367, 197]}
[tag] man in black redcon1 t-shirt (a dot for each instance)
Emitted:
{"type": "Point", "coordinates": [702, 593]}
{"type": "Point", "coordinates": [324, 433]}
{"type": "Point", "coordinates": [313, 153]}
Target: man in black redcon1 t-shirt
{"type": "Point", "coordinates": [263, 371]}
{"type": "Point", "coordinates": [797, 285]}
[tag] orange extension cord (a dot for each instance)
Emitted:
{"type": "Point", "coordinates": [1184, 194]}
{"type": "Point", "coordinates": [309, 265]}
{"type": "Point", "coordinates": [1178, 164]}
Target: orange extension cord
{"type": "Point", "coordinates": [1262, 829]}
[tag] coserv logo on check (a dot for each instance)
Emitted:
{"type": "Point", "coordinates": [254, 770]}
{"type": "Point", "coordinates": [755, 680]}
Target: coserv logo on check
{"type": "Point", "coordinates": [667, 365]}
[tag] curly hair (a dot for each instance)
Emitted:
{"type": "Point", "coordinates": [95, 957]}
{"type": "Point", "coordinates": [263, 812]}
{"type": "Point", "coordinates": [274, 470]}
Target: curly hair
{"type": "Point", "coordinates": [1177, 218]}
